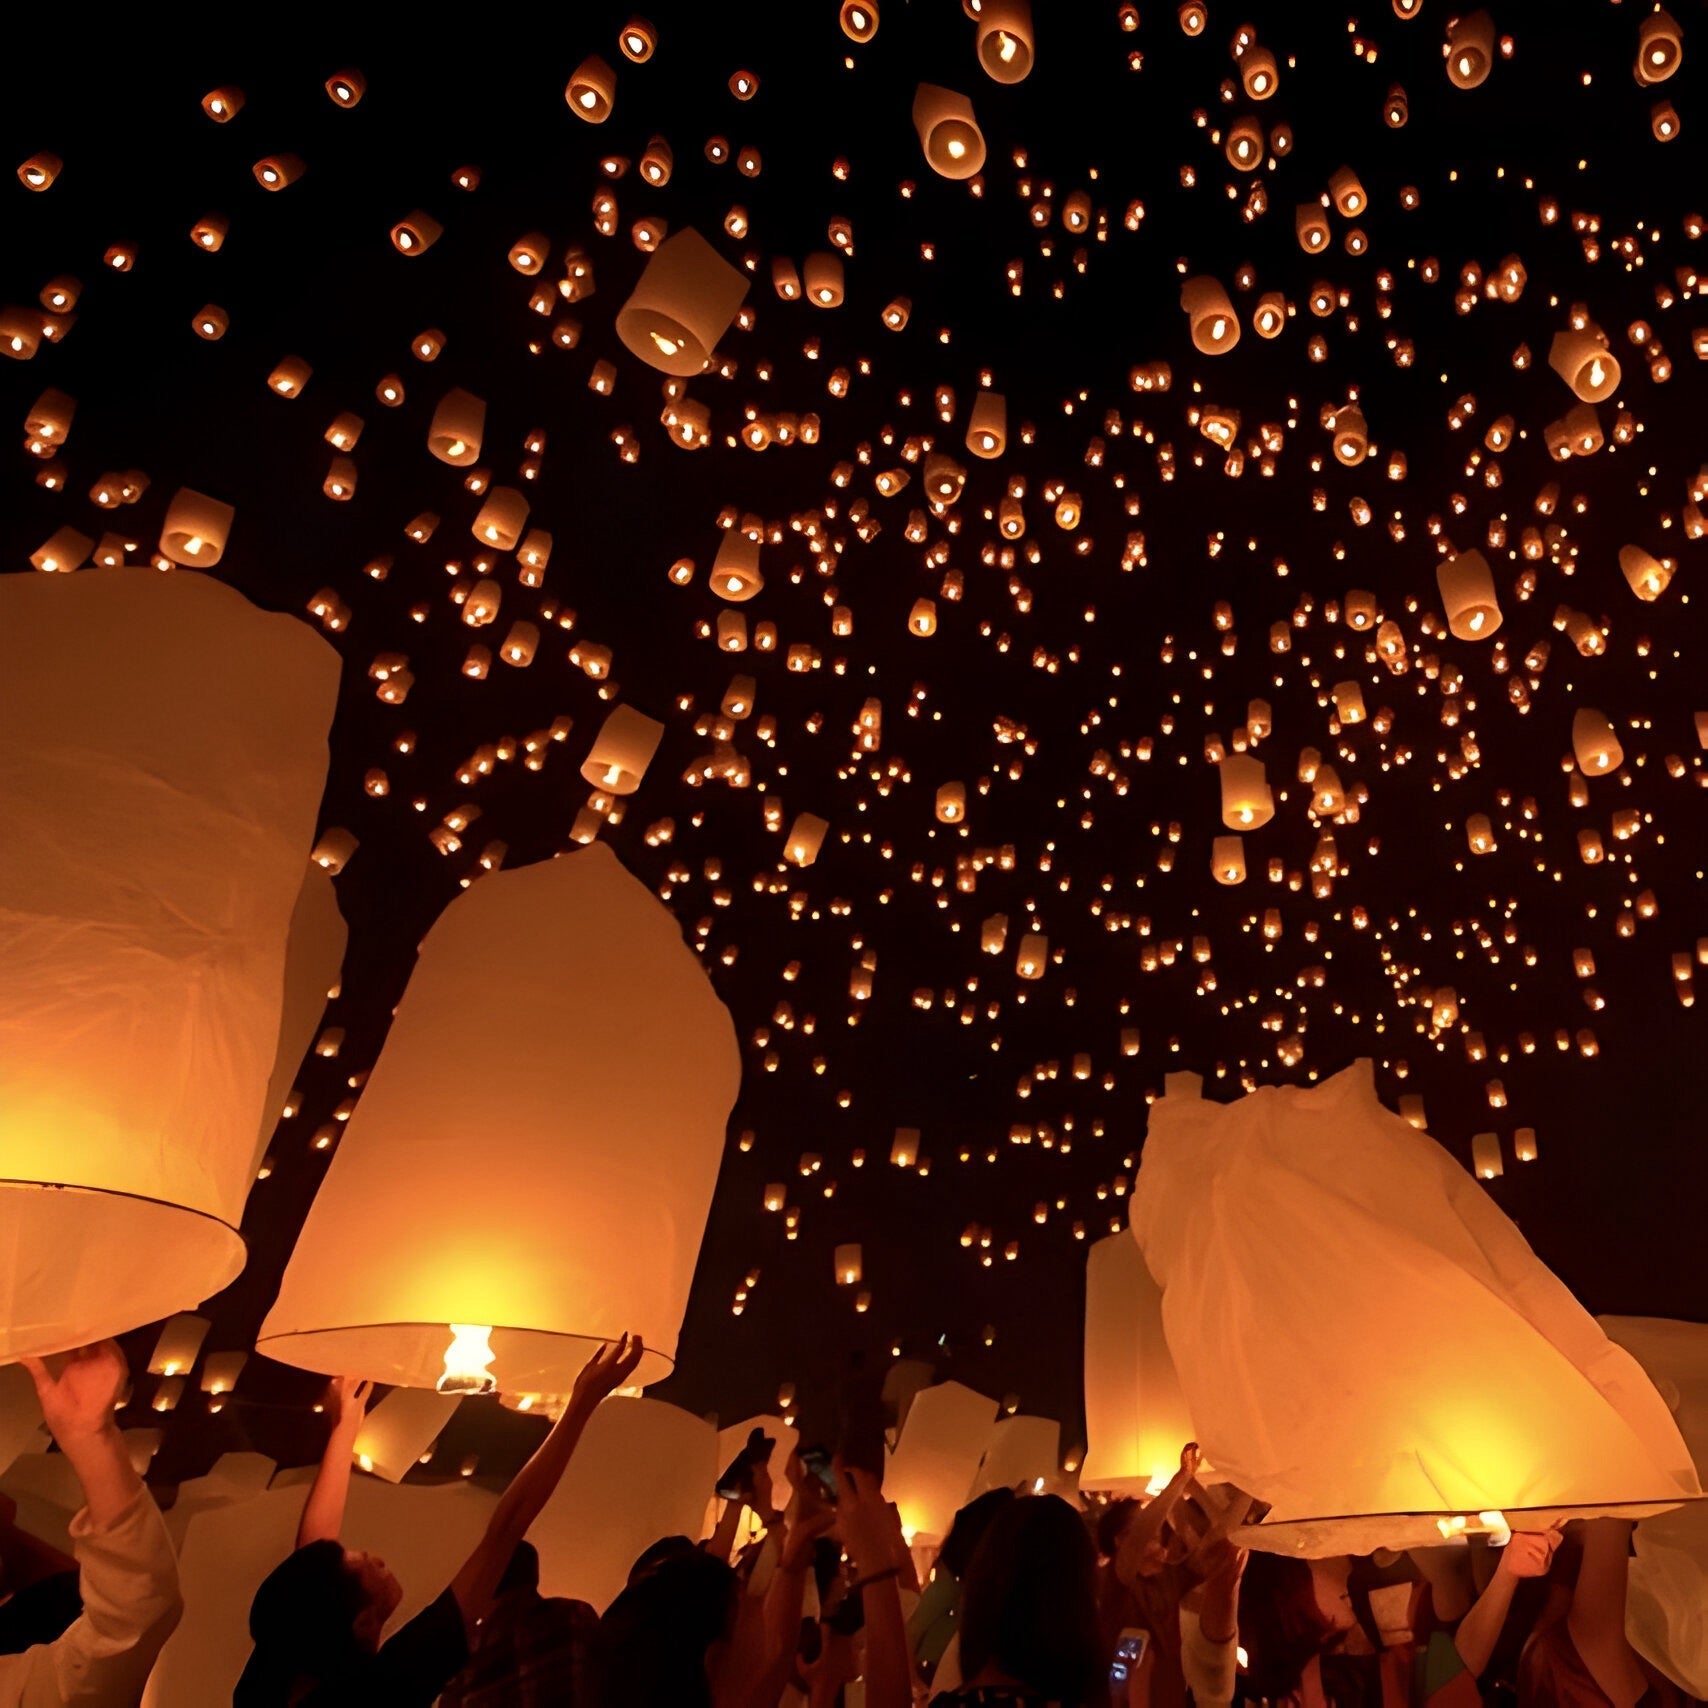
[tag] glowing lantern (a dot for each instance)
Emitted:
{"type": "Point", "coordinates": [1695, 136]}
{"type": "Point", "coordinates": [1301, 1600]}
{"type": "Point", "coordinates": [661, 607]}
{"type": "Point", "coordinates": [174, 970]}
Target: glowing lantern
{"type": "Point", "coordinates": [806, 836]}
{"type": "Point", "coordinates": [1244, 145]}
{"type": "Point", "coordinates": [314, 955]}
{"type": "Point", "coordinates": [848, 1266]}
{"type": "Point", "coordinates": [549, 1208]}
{"type": "Point", "coordinates": [501, 518]}
{"type": "Point", "coordinates": [1584, 362]}
{"type": "Point", "coordinates": [1485, 1156]}
{"type": "Point", "coordinates": [931, 1472]}
{"type": "Point", "coordinates": [40, 170]}
{"type": "Point", "coordinates": [591, 89]}
{"type": "Point", "coordinates": [1470, 49]}
{"type": "Point", "coordinates": [735, 569]}
{"type": "Point", "coordinates": [1310, 223]}
{"type": "Point", "coordinates": [1256, 1326]}
{"type": "Point", "coordinates": [1647, 576]}
{"type": "Point", "coordinates": [290, 376]}
{"type": "Point", "coordinates": [948, 132]}
{"type": "Point", "coordinates": [220, 1371]}
{"type": "Point", "coordinates": [64, 550]}
{"type": "Point", "coordinates": [622, 750]}
{"type": "Point", "coordinates": [1479, 833]}
{"type": "Point", "coordinates": [993, 934]}
{"type": "Point", "coordinates": [1351, 436]}
{"type": "Point", "coordinates": [1227, 859]}
{"type": "Point", "coordinates": [1660, 47]}
{"type": "Point", "coordinates": [638, 40]}
{"type": "Point", "coordinates": [1594, 744]}
{"type": "Point", "coordinates": [682, 304]}
{"type": "Point", "coordinates": [178, 1345]}
{"type": "Point", "coordinates": [987, 425]}
{"type": "Point", "coordinates": [904, 1148]}
{"type": "Point", "coordinates": [278, 171]}
{"type": "Point", "coordinates": [400, 1430]}
{"type": "Point", "coordinates": [859, 19]}
{"type": "Point", "coordinates": [1347, 193]}
{"type": "Point", "coordinates": [1033, 955]}
{"type": "Point", "coordinates": [1005, 39]}
{"type": "Point", "coordinates": [223, 104]}
{"type": "Point", "coordinates": [922, 619]}
{"type": "Point", "coordinates": [1257, 71]}
{"type": "Point", "coordinates": [1136, 1421]}
{"type": "Point", "coordinates": [951, 802]}
{"type": "Point", "coordinates": [162, 761]}
{"type": "Point", "coordinates": [1468, 594]}
{"type": "Point", "coordinates": [1215, 326]}
{"type": "Point", "coordinates": [416, 233]}
{"type": "Point", "coordinates": [822, 275]}
{"type": "Point", "coordinates": [1349, 702]}
{"type": "Point", "coordinates": [459, 421]}
{"type": "Point", "coordinates": [1247, 802]}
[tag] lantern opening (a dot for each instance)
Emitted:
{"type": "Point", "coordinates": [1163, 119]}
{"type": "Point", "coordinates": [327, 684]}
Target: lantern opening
{"type": "Point", "coordinates": [467, 1361]}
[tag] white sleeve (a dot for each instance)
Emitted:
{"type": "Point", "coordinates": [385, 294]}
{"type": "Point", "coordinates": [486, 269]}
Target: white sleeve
{"type": "Point", "coordinates": [1210, 1668]}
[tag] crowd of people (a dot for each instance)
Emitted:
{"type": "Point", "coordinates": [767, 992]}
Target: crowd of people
{"type": "Point", "coordinates": [1029, 1600]}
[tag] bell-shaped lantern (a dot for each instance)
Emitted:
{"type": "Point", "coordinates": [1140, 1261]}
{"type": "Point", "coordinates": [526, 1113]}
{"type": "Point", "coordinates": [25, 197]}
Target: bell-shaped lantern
{"type": "Point", "coordinates": [162, 756]}
{"type": "Point", "coordinates": [523, 1185]}
{"type": "Point", "coordinates": [1501, 1396]}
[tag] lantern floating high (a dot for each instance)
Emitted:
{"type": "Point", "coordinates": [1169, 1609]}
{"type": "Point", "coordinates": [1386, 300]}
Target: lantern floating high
{"type": "Point", "coordinates": [1005, 39]}
{"type": "Point", "coordinates": [1585, 363]}
{"type": "Point", "coordinates": [1594, 744]}
{"type": "Point", "coordinates": [682, 304]}
{"type": "Point", "coordinates": [948, 132]}
{"type": "Point", "coordinates": [459, 421]}
{"type": "Point", "coordinates": [1467, 592]}
{"type": "Point", "coordinates": [1215, 326]}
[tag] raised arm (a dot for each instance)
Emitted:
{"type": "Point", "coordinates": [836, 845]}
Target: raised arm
{"type": "Point", "coordinates": [520, 1504]}
{"type": "Point", "coordinates": [870, 1535]}
{"type": "Point", "coordinates": [1145, 1526]}
{"type": "Point", "coordinates": [78, 1406]}
{"type": "Point", "coordinates": [1597, 1617]}
{"type": "Point", "coordinates": [1527, 1555]}
{"type": "Point", "coordinates": [323, 1511]}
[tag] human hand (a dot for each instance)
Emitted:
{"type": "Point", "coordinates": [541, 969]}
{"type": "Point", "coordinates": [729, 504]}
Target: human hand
{"type": "Point", "coordinates": [606, 1371]}
{"type": "Point", "coordinates": [810, 1517]}
{"type": "Point", "coordinates": [347, 1404]}
{"type": "Point", "coordinates": [870, 1526]}
{"type": "Point", "coordinates": [1189, 1459]}
{"type": "Point", "coordinates": [80, 1401]}
{"type": "Point", "coordinates": [1215, 1557]}
{"type": "Point", "coordinates": [1530, 1553]}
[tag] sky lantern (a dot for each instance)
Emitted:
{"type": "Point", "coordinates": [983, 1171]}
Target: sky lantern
{"type": "Point", "coordinates": [1215, 326]}
{"type": "Point", "coordinates": [1470, 49]}
{"type": "Point", "coordinates": [1502, 1396]}
{"type": "Point", "coordinates": [152, 902]}
{"type": "Point", "coordinates": [459, 420]}
{"type": "Point", "coordinates": [1005, 39]}
{"type": "Point", "coordinates": [591, 90]}
{"type": "Point", "coordinates": [1583, 360]}
{"type": "Point", "coordinates": [1594, 744]}
{"type": "Point", "coordinates": [859, 19]}
{"type": "Point", "coordinates": [682, 304]}
{"type": "Point", "coordinates": [1247, 800]}
{"type": "Point", "coordinates": [936, 1459]}
{"type": "Point", "coordinates": [735, 568]}
{"type": "Point", "coordinates": [1467, 592]}
{"type": "Point", "coordinates": [483, 1226]}
{"type": "Point", "coordinates": [948, 133]}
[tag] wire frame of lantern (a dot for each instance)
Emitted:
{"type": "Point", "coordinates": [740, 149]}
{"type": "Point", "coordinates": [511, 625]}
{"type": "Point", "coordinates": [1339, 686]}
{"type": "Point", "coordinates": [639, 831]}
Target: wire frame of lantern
{"type": "Point", "coordinates": [682, 304]}
{"type": "Point", "coordinates": [162, 757]}
{"type": "Point", "coordinates": [530, 1215]}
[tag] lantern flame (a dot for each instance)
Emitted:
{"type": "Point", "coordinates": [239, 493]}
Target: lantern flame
{"type": "Point", "coordinates": [467, 1361]}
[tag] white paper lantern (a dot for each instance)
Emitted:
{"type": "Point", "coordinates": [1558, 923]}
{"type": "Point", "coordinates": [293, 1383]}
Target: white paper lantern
{"type": "Point", "coordinates": [551, 1187]}
{"type": "Point", "coordinates": [1292, 1231]}
{"type": "Point", "coordinates": [1025, 1454]}
{"type": "Point", "coordinates": [314, 955]}
{"type": "Point", "coordinates": [930, 1475]}
{"type": "Point", "coordinates": [162, 755]}
{"type": "Point", "coordinates": [400, 1429]}
{"type": "Point", "coordinates": [681, 305]}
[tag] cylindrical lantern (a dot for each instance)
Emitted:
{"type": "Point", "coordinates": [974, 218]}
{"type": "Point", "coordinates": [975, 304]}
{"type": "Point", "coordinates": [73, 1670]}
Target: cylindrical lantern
{"type": "Point", "coordinates": [1136, 1421]}
{"type": "Point", "coordinates": [848, 1265]}
{"type": "Point", "coordinates": [1468, 594]}
{"type": "Point", "coordinates": [1585, 363]}
{"type": "Point", "coordinates": [1594, 744]}
{"type": "Point", "coordinates": [1347, 193]}
{"type": "Point", "coordinates": [859, 19]}
{"type": "Point", "coordinates": [220, 1371]}
{"type": "Point", "coordinates": [1005, 39]}
{"type": "Point", "coordinates": [501, 518]}
{"type": "Point", "coordinates": [416, 233]}
{"type": "Point", "coordinates": [459, 421]}
{"type": "Point", "coordinates": [1660, 46]}
{"type": "Point", "coordinates": [951, 802]}
{"type": "Point", "coordinates": [1470, 49]}
{"type": "Point", "coordinates": [196, 528]}
{"type": "Point", "coordinates": [532, 1211]}
{"type": "Point", "coordinates": [1485, 1156]}
{"type": "Point", "coordinates": [922, 619]}
{"type": "Point", "coordinates": [402, 1428]}
{"type": "Point", "coordinates": [314, 956]}
{"type": "Point", "coordinates": [1215, 326]}
{"type": "Point", "coordinates": [1257, 1323]}
{"type": "Point", "coordinates": [1349, 702]}
{"type": "Point", "coordinates": [1351, 436]}
{"type": "Point", "coordinates": [948, 132]}
{"type": "Point", "coordinates": [178, 1345]}
{"type": "Point", "coordinates": [1479, 833]}
{"type": "Point", "coordinates": [1227, 859]}
{"type": "Point", "coordinates": [162, 755]}
{"type": "Point", "coordinates": [681, 305]}
{"type": "Point", "coordinates": [821, 272]}
{"type": "Point", "coordinates": [930, 1475]}
{"type": "Point", "coordinates": [1033, 955]}
{"type": "Point", "coordinates": [904, 1148]}
{"type": "Point", "coordinates": [1247, 801]}
{"type": "Point", "coordinates": [806, 836]}
{"type": "Point", "coordinates": [591, 90]}
{"type": "Point", "coordinates": [987, 425]}
{"type": "Point", "coordinates": [1258, 73]}
{"type": "Point", "coordinates": [1025, 1454]}
{"type": "Point", "coordinates": [735, 568]}
{"type": "Point", "coordinates": [622, 750]}
{"type": "Point", "coordinates": [993, 934]}
{"type": "Point", "coordinates": [1647, 576]}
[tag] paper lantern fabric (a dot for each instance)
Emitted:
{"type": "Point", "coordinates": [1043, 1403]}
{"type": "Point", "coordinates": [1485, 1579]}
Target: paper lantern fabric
{"type": "Point", "coordinates": [314, 956]}
{"type": "Point", "coordinates": [641, 1471]}
{"type": "Point", "coordinates": [162, 756]}
{"type": "Point", "coordinates": [1136, 1421]}
{"type": "Point", "coordinates": [1024, 1454]}
{"type": "Point", "coordinates": [1367, 1343]}
{"type": "Point", "coordinates": [1666, 1603]}
{"type": "Point", "coordinates": [536, 1147]}
{"type": "Point", "coordinates": [931, 1473]}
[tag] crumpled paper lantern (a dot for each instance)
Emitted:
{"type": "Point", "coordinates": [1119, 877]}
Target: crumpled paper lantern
{"type": "Point", "coordinates": [931, 1473]}
{"type": "Point", "coordinates": [1136, 1419]}
{"type": "Point", "coordinates": [536, 1147]}
{"type": "Point", "coordinates": [162, 756]}
{"type": "Point", "coordinates": [1367, 1343]}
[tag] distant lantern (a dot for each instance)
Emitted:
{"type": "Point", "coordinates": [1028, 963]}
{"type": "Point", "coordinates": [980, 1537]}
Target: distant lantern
{"type": "Point", "coordinates": [1349, 702]}
{"type": "Point", "coordinates": [591, 89]}
{"type": "Point", "coordinates": [849, 1265]}
{"type": "Point", "coordinates": [859, 19]}
{"type": "Point", "coordinates": [1227, 859]}
{"type": "Point", "coordinates": [178, 1345]}
{"type": "Point", "coordinates": [1351, 436]}
{"type": "Point", "coordinates": [1244, 144]}
{"type": "Point", "coordinates": [1257, 72]}
{"type": "Point", "coordinates": [459, 422]}
{"type": "Point", "coordinates": [822, 275]}
{"type": "Point", "coordinates": [896, 313]}
{"type": "Point", "coordinates": [1310, 225]}
{"type": "Point", "coordinates": [416, 233]}
{"type": "Point", "coordinates": [1468, 595]}
{"type": "Point", "coordinates": [528, 253]}
{"type": "Point", "coordinates": [64, 550]}
{"type": "Point", "coordinates": [220, 1371]}
{"type": "Point", "coordinates": [735, 569]}
{"type": "Point", "coordinates": [1470, 49]}
{"type": "Point", "coordinates": [951, 802]}
{"type": "Point", "coordinates": [1347, 193]}
{"type": "Point", "coordinates": [1005, 39]}
{"type": "Point", "coordinates": [922, 619]}
{"type": "Point", "coordinates": [1247, 802]}
{"type": "Point", "coordinates": [1524, 1144]}
{"type": "Point", "coordinates": [543, 1211]}
{"type": "Point", "coordinates": [1663, 121]}
{"type": "Point", "coordinates": [1660, 46]}
{"type": "Point", "coordinates": [277, 171]}
{"type": "Point", "coordinates": [347, 87]}
{"type": "Point", "coordinates": [993, 934]}
{"type": "Point", "coordinates": [40, 170]}
{"type": "Point", "coordinates": [153, 901]}
{"type": "Point", "coordinates": [1646, 575]}
{"type": "Point", "coordinates": [1033, 955]}
{"type": "Point", "coordinates": [987, 425]}
{"type": "Point", "coordinates": [904, 1147]}
{"type": "Point", "coordinates": [622, 750]}
{"type": "Point", "coordinates": [1269, 318]}
{"type": "Point", "coordinates": [1485, 1155]}
{"type": "Point", "coordinates": [805, 839]}
{"type": "Point", "coordinates": [1594, 744]}
{"type": "Point", "coordinates": [290, 376]}
{"type": "Point", "coordinates": [340, 482]}
{"type": "Point", "coordinates": [1479, 833]}
{"type": "Point", "coordinates": [1585, 363]}
{"type": "Point", "coordinates": [223, 104]}
{"type": "Point", "coordinates": [1215, 326]}
{"type": "Point", "coordinates": [638, 40]}
{"type": "Point", "coordinates": [196, 529]}
{"type": "Point", "coordinates": [500, 520]}
{"type": "Point", "coordinates": [682, 304]}
{"type": "Point", "coordinates": [20, 332]}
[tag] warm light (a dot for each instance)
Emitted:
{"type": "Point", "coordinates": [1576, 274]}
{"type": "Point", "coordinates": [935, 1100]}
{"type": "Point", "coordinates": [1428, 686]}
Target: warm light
{"type": "Point", "coordinates": [467, 1361]}
{"type": "Point", "coordinates": [668, 346]}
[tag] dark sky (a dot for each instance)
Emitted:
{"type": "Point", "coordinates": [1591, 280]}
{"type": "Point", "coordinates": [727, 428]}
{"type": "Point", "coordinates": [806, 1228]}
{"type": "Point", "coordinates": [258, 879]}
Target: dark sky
{"type": "Point", "coordinates": [1613, 1203]}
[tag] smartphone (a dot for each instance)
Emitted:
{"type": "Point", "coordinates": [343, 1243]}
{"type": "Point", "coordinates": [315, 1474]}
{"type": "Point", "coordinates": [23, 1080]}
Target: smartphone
{"type": "Point", "coordinates": [817, 1461]}
{"type": "Point", "coordinates": [737, 1481]}
{"type": "Point", "coordinates": [1129, 1654]}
